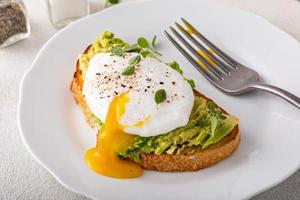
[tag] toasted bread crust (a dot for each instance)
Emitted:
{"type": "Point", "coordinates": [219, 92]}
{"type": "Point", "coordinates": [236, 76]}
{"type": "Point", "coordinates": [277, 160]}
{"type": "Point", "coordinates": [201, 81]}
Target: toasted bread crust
{"type": "Point", "coordinates": [193, 161]}
{"type": "Point", "coordinates": [165, 162]}
{"type": "Point", "coordinates": [76, 88]}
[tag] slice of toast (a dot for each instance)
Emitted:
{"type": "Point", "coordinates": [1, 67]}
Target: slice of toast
{"type": "Point", "coordinates": [165, 162]}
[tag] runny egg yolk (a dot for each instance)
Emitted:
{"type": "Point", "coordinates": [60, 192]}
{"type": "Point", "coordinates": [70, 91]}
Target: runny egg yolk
{"type": "Point", "coordinates": [112, 139]}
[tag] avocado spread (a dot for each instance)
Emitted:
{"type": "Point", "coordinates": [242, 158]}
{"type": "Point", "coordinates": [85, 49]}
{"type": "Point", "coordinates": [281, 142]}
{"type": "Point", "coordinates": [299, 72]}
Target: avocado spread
{"type": "Point", "coordinates": [207, 124]}
{"type": "Point", "coordinates": [103, 44]}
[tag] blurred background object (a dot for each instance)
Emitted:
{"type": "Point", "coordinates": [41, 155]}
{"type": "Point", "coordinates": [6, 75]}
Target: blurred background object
{"type": "Point", "coordinates": [14, 23]}
{"type": "Point", "coordinates": [63, 12]}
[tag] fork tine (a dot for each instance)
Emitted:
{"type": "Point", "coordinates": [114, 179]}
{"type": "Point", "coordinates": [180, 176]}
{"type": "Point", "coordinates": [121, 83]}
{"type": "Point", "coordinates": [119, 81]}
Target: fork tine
{"type": "Point", "coordinates": [233, 63]}
{"type": "Point", "coordinates": [210, 55]}
{"type": "Point", "coordinates": [205, 73]}
{"type": "Point", "coordinates": [211, 68]}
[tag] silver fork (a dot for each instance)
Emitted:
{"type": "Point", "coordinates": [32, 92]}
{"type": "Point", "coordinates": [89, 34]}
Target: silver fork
{"type": "Point", "coordinates": [222, 70]}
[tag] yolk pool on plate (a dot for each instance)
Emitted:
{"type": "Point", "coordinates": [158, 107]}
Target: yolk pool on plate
{"type": "Point", "coordinates": [111, 139]}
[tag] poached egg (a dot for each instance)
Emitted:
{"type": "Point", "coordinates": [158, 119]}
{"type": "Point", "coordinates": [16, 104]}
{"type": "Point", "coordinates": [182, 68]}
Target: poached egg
{"type": "Point", "coordinates": [127, 107]}
{"type": "Point", "coordinates": [142, 116]}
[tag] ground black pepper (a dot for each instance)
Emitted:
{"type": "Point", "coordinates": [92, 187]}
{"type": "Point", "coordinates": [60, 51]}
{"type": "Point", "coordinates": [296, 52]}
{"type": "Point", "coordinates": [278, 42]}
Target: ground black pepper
{"type": "Point", "coordinates": [12, 21]}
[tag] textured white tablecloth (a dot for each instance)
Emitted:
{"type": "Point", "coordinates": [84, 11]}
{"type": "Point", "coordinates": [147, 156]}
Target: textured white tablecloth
{"type": "Point", "coordinates": [21, 177]}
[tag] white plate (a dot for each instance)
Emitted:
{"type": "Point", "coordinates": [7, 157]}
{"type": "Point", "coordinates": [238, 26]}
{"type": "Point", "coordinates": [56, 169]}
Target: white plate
{"type": "Point", "coordinates": [55, 132]}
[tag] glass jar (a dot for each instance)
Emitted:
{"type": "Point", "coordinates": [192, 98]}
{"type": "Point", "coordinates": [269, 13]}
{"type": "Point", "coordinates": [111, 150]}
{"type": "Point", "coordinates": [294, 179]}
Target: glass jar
{"type": "Point", "coordinates": [63, 12]}
{"type": "Point", "coordinates": [14, 23]}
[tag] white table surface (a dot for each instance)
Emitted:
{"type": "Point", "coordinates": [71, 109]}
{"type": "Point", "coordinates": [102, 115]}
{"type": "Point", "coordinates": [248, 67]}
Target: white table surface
{"type": "Point", "coordinates": [21, 176]}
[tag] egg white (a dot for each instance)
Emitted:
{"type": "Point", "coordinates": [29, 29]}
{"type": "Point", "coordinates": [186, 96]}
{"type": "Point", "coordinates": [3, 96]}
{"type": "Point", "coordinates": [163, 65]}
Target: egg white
{"type": "Point", "coordinates": [104, 80]}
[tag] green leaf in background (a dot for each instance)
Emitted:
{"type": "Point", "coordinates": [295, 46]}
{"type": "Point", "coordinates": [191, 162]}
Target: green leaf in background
{"type": "Point", "coordinates": [160, 96]}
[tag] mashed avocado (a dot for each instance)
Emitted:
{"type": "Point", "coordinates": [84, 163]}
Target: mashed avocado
{"type": "Point", "coordinates": [207, 124]}
{"type": "Point", "coordinates": [103, 44]}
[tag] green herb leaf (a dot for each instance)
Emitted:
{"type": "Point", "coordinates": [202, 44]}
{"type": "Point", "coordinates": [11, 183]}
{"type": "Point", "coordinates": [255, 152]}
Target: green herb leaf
{"type": "Point", "coordinates": [132, 48]}
{"type": "Point", "coordinates": [191, 82]}
{"type": "Point", "coordinates": [154, 41]}
{"type": "Point", "coordinates": [222, 131]}
{"type": "Point", "coordinates": [211, 106]}
{"type": "Point", "coordinates": [160, 96]}
{"type": "Point", "coordinates": [117, 51]}
{"type": "Point", "coordinates": [142, 42]}
{"type": "Point", "coordinates": [128, 70]}
{"type": "Point", "coordinates": [134, 60]}
{"type": "Point", "coordinates": [215, 112]}
{"type": "Point", "coordinates": [145, 53]}
{"type": "Point", "coordinates": [175, 66]}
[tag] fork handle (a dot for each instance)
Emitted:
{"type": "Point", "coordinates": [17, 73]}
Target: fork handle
{"type": "Point", "coordinates": [279, 92]}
